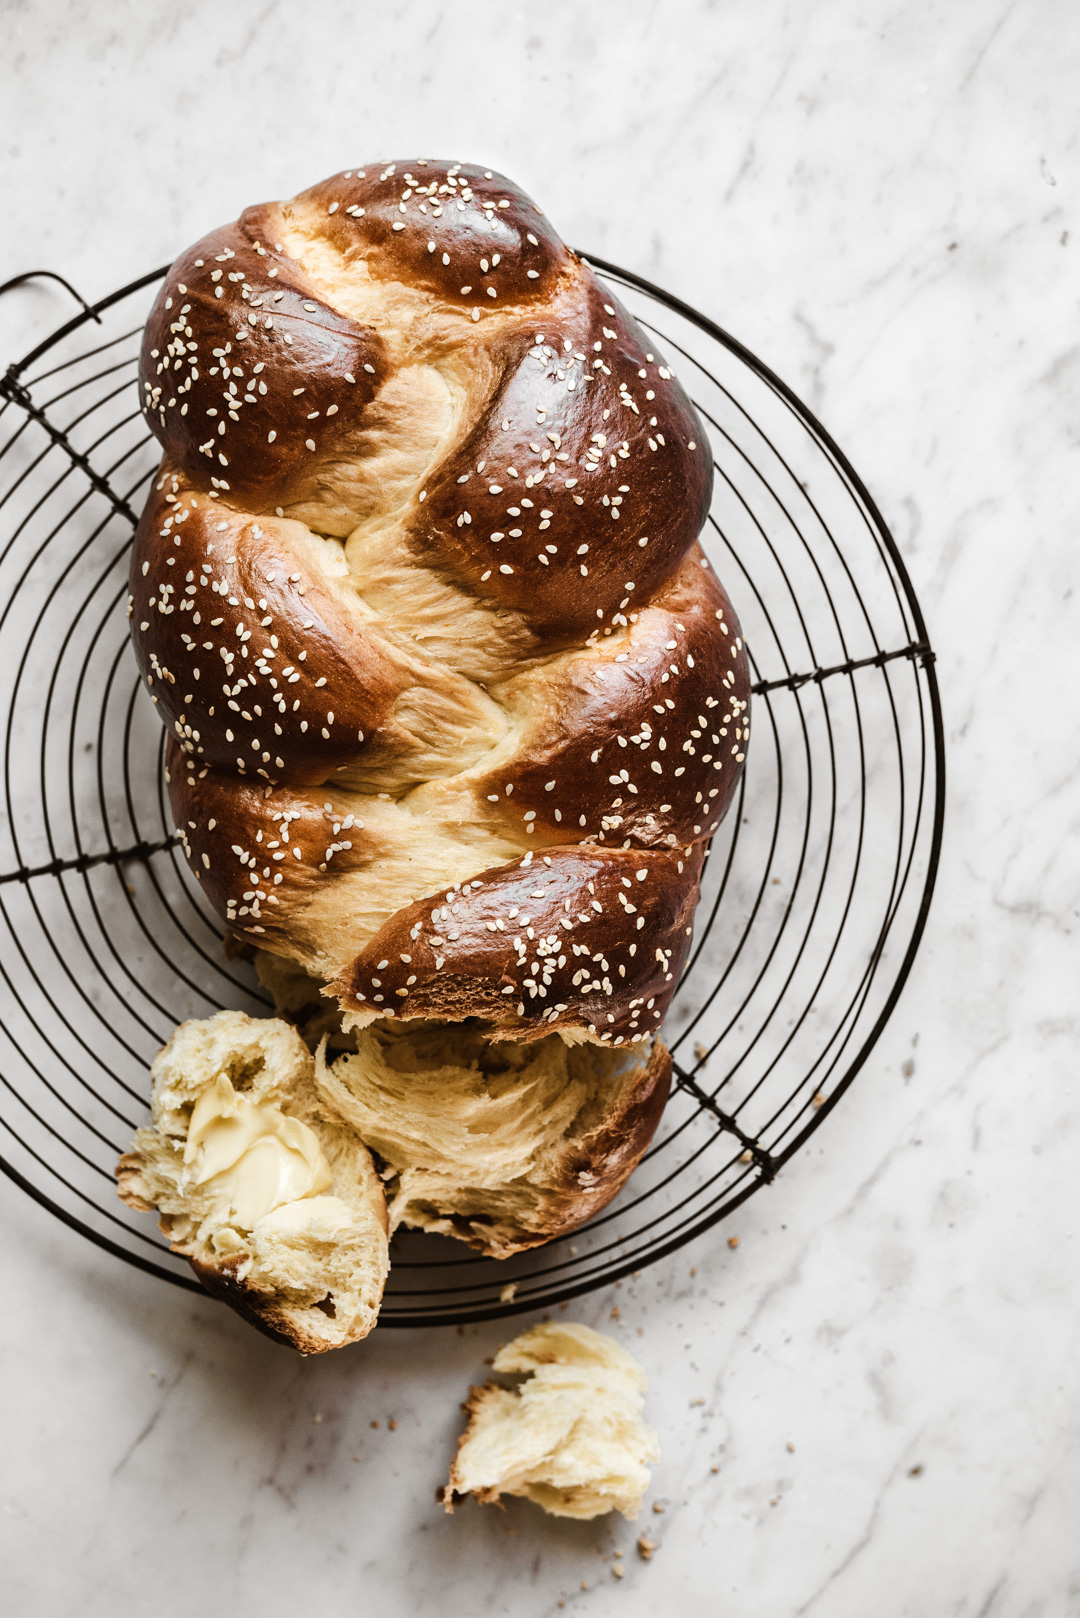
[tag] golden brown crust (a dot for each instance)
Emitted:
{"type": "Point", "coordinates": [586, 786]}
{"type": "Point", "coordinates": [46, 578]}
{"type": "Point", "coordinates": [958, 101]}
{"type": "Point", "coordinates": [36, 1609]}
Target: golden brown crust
{"type": "Point", "coordinates": [599, 566]}
{"type": "Point", "coordinates": [480, 214]}
{"type": "Point", "coordinates": [252, 608]}
{"type": "Point", "coordinates": [219, 304]}
{"type": "Point", "coordinates": [582, 937]}
{"type": "Point", "coordinates": [644, 744]}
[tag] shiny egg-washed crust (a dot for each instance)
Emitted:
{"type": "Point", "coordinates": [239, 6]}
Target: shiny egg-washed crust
{"type": "Point", "coordinates": [417, 590]}
{"type": "Point", "coordinates": [582, 938]}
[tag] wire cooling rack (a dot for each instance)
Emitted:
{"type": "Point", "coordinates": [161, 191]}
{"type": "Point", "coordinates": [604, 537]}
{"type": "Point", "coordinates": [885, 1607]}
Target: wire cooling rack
{"type": "Point", "coordinates": [815, 893]}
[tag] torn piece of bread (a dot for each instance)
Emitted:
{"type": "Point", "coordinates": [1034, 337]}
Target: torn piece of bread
{"type": "Point", "coordinates": [502, 1144]}
{"type": "Point", "coordinates": [571, 1438]}
{"type": "Point", "coordinates": [276, 1205]}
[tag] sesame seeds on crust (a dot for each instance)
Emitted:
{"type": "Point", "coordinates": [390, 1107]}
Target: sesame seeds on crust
{"type": "Point", "coordinates": [579, 937]}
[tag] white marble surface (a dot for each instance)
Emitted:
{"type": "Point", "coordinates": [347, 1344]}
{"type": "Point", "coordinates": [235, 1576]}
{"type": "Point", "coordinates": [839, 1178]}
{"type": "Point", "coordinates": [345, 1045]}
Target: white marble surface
{"type": "Point", "coordinates": [882, 201]}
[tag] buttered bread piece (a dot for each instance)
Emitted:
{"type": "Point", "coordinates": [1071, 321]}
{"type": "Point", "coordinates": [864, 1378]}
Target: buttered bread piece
{"type": "Point", "coordinates": [276, 1205]}
{"type": "Point", "coordinates": [571, 1438]}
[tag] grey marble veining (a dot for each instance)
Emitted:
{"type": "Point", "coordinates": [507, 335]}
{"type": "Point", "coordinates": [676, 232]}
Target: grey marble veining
{"type": "Point", "coordinates": [869, 1405]}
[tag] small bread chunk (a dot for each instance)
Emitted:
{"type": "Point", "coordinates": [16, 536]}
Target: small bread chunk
{"type": "Point", "coordinates": [504, 1145]}
{"type": "Point", "coordinates": [277, 1207]}
{"type": "Point", "coordinates": [571, 1438]}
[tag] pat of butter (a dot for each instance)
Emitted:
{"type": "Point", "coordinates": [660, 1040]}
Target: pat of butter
{"type": "Point", "coordinates": [251, 1154]}
{"type": "Point", "coordinates": [320, 1217]}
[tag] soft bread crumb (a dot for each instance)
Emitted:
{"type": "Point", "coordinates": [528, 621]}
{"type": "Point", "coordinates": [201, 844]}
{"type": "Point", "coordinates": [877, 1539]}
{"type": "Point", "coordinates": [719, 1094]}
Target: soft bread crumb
{"type": "Point", "coordinates": [571, 1438]}
{"type": "Point", "coordinates": [308, 1260]}
{"type": "Point", "coordinates": [502, 1145]}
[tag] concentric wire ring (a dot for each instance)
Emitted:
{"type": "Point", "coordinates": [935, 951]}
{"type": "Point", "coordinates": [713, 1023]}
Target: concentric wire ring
{"type": "Point", "coordinates": [816, 888]}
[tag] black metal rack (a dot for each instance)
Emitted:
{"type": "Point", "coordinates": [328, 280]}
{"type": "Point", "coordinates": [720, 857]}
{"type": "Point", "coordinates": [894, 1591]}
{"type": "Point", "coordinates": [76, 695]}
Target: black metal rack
{"type": "Point", "coordinates": [816, 889]}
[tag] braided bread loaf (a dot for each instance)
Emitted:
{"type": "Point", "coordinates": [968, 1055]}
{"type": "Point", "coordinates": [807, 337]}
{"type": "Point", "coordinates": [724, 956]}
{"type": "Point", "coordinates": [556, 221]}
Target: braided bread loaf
{"type": "Point", "coordinates": [455, 700]}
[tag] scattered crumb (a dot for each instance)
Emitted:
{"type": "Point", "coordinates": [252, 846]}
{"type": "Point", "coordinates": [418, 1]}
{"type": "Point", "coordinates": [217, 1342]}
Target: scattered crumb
{"type": "Point", "coordinates": [659, 1507]}
{"type": "Point", "coordinates": [374, 1424]}
{"type": "Point", "coordinates": [584, 1584]}
{"type": "Point", "coordinates": [819, 1100]}
{"type": "Point", "coordinates": [646, 1546]}
{"type": "Point", "coordinates": [733, 1241]}
{"type": "Point", "coordinates": [790, 1448]}
{"type": "Point", "coordinates": [508, 1291]}
{"type": "Point", "coordinates": [693, 1272]}
{"type": "Point", "coordinates": [702, 1053]}
{"type": "Point", "coordinates": [615, 1312]}
{"type": "Point", "coordinates": [773, 1501]}
{"type": "Point", "coordinates": [318, 1415]}
{"type": "Point", "coordinates": [694, 1402]}
{"type": "Point", "coordinates": [747, 1156]}
{"type": "Point", "coordinates": [641, 1331]}
{"type": "Point", "coordinates": [714, 1469]}
{"type": "Point", "coordinates": [907, 1068]}
{"type": "Point", "coordinates": [915, 1472]}
{"type": "Point", "coordinates": [392, 1424]}
{"type": "Point", "coordinates": [618, 1570]}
